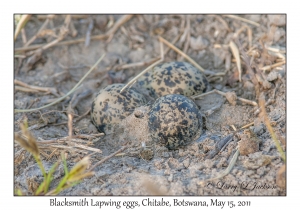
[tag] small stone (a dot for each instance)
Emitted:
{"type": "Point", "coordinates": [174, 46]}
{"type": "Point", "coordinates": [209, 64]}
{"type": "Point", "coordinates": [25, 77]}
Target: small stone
{"type": "Point", "coordinates": [147, 154]}
{"type": "Point", "coordinates": [272, 76]}
{"type": "Point", "coordinates": [101, 21]}
{"type": "Point", "coordinates": [266, 85]}
{"type": "Point", "coordinates": [198, 43]}
{"type": "Point", "coordinates": [170, 178]}
{"type": "Point", "coordinates": [248, 146]}
{"type": "Point", "coordinates": [166, 155]}
{"type": "Point", "coordinates": [231, 97]}
{"type": "Point", "coordinates": [181, 152]}
{"type": "Point", "coordinates": [249, 86]}
{"type": "Point", "coordinates": [186, 163]}
{"type": "Point", "coordinates": [167, 171]}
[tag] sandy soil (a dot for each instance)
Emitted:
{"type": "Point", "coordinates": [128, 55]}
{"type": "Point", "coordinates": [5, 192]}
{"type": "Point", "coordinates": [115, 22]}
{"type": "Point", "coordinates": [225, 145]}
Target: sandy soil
{"type": "Point", "coordinates": [205, 38]}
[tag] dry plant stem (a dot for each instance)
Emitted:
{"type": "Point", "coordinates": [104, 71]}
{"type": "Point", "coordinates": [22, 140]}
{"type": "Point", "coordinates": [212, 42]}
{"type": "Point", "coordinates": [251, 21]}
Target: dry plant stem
{"type": "Point", "coordinates": [236, 55]}
{"type": "Point", "coordinates": [145, 63]}
{"type": "Point", "coordinates": [108, 157]}
{"type": "Point", "coordinates": [228, 169]}
{"type": "Point", "coordinates": [24, 38]}
{"type": "Point", "coordinates": [270, 129]}
{"type": "Point", "coordinates": [266, 68]}
{"type": "Point", "coordinates": [70, 92]}
{"type": "Point", "coordinates": [243, 19]}
{"type": "Point", "coordinates": [173, 42]}
{"type": "Point", "coordinates": [63, 32]}
{"type": "Point", "coordinates": [222, 21]}
{"type": "Point", "coordinates": [22, 22]}
{"type": "Point", "coordinates": [248, 125]}
{"type": "Point", "coordinates": [35, 88]}
{"type": "Point", "coordinates": [181, 53]}
{"type": "Point", "coordinates": [65, 139]}
{"type": "Point", "coordinates": [24, 89]}
{"type": "Point", "coordinates": [119, 22]}
{"type": "Point", "coordinates": [131, 82]}
{"type": "Point", "coordinates": [37, 34]}
{"type": "Point", "coordinates": [224, 94]}
{"type": "Point", "coordinates": [70, 121]}
{"type": "Point", "coordinates": [187, 41]}
{"type": "Point", "coordinates": [249, 34]}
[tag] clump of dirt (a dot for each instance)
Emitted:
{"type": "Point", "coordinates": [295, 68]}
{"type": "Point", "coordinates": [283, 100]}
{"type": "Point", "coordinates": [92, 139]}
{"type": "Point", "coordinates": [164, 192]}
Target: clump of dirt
{"type": "Point", "coordinates": [129, 49]}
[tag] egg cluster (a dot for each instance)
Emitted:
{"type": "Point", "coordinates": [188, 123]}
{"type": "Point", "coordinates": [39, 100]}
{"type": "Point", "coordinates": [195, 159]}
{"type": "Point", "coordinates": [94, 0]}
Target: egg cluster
{"type": "Point", "coordinates": [173, 119]}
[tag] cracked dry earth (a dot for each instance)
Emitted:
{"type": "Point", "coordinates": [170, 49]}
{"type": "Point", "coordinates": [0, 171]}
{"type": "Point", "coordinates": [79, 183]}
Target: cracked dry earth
{"type": "Point", "coordinates": [171, 172]}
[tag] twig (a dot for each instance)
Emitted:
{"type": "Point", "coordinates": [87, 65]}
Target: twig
{"type": "Point", "coordinates": [24, 89]}
{"type": "Point", "coordinates": [35, 88]}
{"type": "Point", "coordinates": [70, 92]}
{"type": "Point", "coordinates": [223, 22]}
{"type": "Point", "coordinates": [70, 127]}
{"type": "Point", "coordinates": [248, 125]}
{"type": "Point", "coordinates": [108, 157]}
{"type": "Point", "coordinates": [266, 68]}
{"type": "Point", "coordinates": [119, 22]}
{"type": "Point", "coordinates": [242, 19]}
{"type": "Point", "coordinates": [88, 32]}
{"type": "Point", "coordinates": [224, 94]}
{"type": "Point", "coordinates": [24, 38]}
{"type": "Point", "coordinates": [37, 34]}
{"type": "Point", "coordinates": [181, 53]}
{"type": "Point", "coordinates": [188, 37]}
{"type": "Point", "coordinates": [236, 55]}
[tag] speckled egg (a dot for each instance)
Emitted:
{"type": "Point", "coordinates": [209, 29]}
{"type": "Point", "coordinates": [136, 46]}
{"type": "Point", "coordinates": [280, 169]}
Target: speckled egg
{"type": "Point", "coordinates": [174, 120]}
{"type": "Point", "coordinates": [174, 78]}
{"type": "Point", "coordinates": [110, 106]}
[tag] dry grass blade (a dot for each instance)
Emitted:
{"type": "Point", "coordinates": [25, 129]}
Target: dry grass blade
{"type": "Point", "coordinates": [87, 148]}
{"type": "Point", "coordinates": [119, 22]}
{"type": "Point", "coordinates": [248, 125]}
{"type": "Point", "coordinates": [253, 103]}
{"type": "Point", "coordinates": [243, 19]}
{"type": "Point", "coordinates": [38, 33]}
{"type": "Point", "coordinates": [181, 53]}
{"type": "Point", "coordinates": [27, 141]}
{"type": "Point", "coordinates": [270, 129]}
{"type": "Point", "coordinates": [70, 92]}
{"type": "Point", "coordinates": [236, 55]}
{"type": "Point", "coordinates": [269, 67]}
{"type": "Point", "coordinates": [21, 23]}
{"type": "Point", "coordinates": [80, 167]}
{"type": "Point", "coordinates": [222, 21]}
{"type": "Point", "coordinates": [35, 88]}
{"type": "Point", "coordinates": [227, 170]}
{"type": "Point", "coordinates": [24, 89]}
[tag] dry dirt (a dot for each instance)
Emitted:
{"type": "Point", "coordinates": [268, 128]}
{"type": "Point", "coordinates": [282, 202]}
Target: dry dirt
{"type": "Point", "coordinates": [205, 38]}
